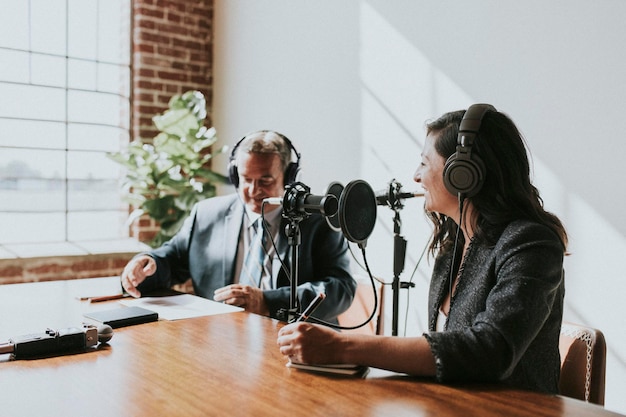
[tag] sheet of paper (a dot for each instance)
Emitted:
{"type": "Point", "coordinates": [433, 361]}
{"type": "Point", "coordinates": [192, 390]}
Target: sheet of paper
{"type": "Point", "coordinates": [183, 306]}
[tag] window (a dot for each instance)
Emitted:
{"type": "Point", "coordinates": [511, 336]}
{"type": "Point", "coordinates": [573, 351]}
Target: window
{"type": "Point", "coordinates": [64, 103]}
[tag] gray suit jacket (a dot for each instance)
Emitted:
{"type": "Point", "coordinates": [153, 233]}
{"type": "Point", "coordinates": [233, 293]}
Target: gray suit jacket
{"type": "Point", "coordinates": [506, 314]}
{"type": "Point", "coordinates": [205, 249]}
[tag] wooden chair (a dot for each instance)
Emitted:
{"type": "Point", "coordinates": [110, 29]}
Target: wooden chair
{"type": "Point", "coordinates": [361, 309]}
{"type": "Point", "coordinates": [583, 363]}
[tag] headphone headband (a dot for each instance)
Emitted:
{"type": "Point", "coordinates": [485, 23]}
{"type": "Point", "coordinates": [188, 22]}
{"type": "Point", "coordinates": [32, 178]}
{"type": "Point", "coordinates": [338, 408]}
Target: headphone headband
{"type": "Point", "coordinates": [291, 171]}
{"type": "Point", "coordinates": [470, 124]}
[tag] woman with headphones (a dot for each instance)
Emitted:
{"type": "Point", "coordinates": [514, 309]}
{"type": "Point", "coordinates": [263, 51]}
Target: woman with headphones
{"type": "Point", "coordinates": [497, 287]}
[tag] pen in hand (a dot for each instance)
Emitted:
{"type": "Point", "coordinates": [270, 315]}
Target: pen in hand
{"type": "Point", "coordinates": [311, 308]}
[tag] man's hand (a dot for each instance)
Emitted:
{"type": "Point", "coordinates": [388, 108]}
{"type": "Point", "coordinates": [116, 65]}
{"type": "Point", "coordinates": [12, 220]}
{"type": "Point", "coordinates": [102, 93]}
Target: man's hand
{"type": "Point", "coordinates": [136, 272]}
{"type": "Point", "coordinates": [250, 298]}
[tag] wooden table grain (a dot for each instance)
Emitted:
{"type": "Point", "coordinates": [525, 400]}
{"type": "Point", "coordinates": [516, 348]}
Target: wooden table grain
{"type": "Point", "coordinates": [223, 365]}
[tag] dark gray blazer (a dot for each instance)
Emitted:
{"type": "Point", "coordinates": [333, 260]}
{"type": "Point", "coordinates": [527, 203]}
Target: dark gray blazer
{"type": "Point", "coordinates": [205, 249]}
{"type": "Point", "coordinates": [506, 314]}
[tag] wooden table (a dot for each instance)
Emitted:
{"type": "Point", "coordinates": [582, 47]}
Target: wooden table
{"type": "Point", "coordinates": [224, 365]}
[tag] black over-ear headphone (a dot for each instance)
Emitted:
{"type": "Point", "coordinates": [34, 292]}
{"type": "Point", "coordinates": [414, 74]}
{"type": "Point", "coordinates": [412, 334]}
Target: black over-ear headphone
{"type": "Point", "coordinates": [464, 173]}
{"type": "Point", "coordinates": [291, 172]}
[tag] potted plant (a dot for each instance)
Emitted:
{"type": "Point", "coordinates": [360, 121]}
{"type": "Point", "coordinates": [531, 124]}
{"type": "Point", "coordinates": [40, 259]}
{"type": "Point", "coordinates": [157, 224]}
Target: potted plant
{"type": "Point", "coordinates": [166, 178]}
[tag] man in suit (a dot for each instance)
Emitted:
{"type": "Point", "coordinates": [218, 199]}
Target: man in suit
{"type": "Point", "coordinates": [220, 234]}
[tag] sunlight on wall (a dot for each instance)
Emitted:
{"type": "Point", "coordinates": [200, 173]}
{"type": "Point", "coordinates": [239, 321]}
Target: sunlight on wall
{"type": "Point", "coordinates": [400, 88]}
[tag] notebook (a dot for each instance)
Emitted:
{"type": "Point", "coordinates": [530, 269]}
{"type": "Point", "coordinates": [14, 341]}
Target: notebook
{"type": "Point", "coordinates": [124, 316]}
{"type": "Point", "coordinates": [340, 369]}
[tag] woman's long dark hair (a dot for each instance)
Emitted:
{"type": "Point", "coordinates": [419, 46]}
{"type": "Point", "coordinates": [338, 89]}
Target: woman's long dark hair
{"type": "Point", "coordinates": [507, 193]}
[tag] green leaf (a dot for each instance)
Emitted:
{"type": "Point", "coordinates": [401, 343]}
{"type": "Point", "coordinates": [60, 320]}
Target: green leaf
{"type": "Point", "coordinates": [176, 122]}
{"type": "Point", "coordinates": [173, 227]}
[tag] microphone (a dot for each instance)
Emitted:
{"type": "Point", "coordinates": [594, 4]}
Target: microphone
{"type": "Point", "coordinates": [52, 342]}
{"type": "Point", "coordinates": [383, 198]}
{"type": "Point", "coordinates": [357, 211]}
{"type": "Point", "coordinates": [334, 188]}
{"type": "Point", "coordinates": [298, 201]}
{"type": "Point", "coordinates": [393, 194]}
{"type": "Point", "coordinates": [356, 216]}
{"type": "Point", "coordinates": [273, 201]}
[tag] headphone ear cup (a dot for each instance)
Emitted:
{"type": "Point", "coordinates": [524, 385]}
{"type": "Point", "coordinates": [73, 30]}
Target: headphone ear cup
{"type": "Point", "coordinates": [462, 175]}
{"type": "Point", "coordinates": [233, 173]}
{"type": "Point", "coordinates": [291, 173]}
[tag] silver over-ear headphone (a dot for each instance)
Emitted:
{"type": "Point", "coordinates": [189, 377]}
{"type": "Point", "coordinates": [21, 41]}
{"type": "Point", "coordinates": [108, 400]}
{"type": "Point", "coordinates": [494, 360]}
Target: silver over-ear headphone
{"type": "Point", "coordinates": [291, 172]}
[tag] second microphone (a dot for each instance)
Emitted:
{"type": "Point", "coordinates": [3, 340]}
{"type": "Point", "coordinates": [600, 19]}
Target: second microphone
{"type": "Point", "coordinates": [298, 201]}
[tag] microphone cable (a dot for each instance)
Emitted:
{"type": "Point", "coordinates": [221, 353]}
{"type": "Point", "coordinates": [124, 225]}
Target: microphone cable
{"type": "Point", "coordinates": [378, 279]}
{"type": "Point", "coordinates": [381, 281]}
{"type": "Point", "coordinates": [374, 310]}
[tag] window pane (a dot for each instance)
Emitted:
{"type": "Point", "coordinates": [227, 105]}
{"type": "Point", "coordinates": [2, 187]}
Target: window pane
{"type": "Point", "coordinates": [90, 165]}
{"type": "Point", "coordinates": [113, 24]}
{"type": "Point", "coordinates": [96, 137]}
{"type": "Point", "coordinates": [14, 66]}
{"type": "Point", "coordinates": [91, 195]}
{"type": "Point", "coordinates": [29, 227]}
{"type": "Point", "coordinates": [110, 78]}
{"type": "Point", "coordinates": [32, 180]}
{"type": "Point", "coordinates": [83, 23]}
{"type": "Point", "coordinates": [96, 225]}
{"type": "Point", "coordinates": [14, 24]}
{"type": "Point", "coordinates": [31, 102]}
{"type": "Point", "coordinates": [47, 26]}
{"type": "Point", "coordinates": [81, 74]}
{"type": "Point", "coordinates": [48, 70]}
{"type": "Point", "coordinates": [32, 134]}
{"type": "Point", "coordinates": [32, 164]}
{"type": "Point", "coordinates": [92, 107]}
{"type": "Point", "coordinates": [32, 196]}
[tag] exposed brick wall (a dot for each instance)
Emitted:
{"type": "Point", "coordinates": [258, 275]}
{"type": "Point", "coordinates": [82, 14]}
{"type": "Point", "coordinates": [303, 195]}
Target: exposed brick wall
{"type": "Point", "coordinates": [171, 53]}
{"type": "Point", "coordinates": [61, 267]}
{"type": "Point", "coordinates": [15, 271]}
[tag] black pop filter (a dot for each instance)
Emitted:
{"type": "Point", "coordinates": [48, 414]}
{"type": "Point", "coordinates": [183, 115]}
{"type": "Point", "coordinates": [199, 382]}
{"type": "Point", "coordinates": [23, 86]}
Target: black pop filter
{"type": "Point", "coordinates": [357, 211]}
{"type": "Point", "coordinates": [335, 189]}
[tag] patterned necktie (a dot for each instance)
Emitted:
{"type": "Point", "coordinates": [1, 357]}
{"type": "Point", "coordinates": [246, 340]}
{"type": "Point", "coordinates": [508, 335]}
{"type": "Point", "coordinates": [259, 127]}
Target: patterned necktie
{"type": "Point", "coordinates": [252, 269]}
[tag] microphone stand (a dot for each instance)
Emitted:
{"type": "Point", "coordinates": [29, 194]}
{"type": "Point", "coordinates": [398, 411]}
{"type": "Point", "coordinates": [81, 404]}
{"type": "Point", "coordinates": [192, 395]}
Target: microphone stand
{"type": "Point", "coordinates": [399, 253]}
{"type": "Point", "coordinates": [296, 202]}
{"type": "Point", "coordinates": [294, 240]}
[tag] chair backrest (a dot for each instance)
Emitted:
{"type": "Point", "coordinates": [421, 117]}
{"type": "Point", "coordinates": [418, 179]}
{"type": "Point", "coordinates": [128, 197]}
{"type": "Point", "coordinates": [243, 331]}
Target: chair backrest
{"type": "Point", "coordinates": [361, 308]}
{"type": "Point", "coordinates": [583, 363]}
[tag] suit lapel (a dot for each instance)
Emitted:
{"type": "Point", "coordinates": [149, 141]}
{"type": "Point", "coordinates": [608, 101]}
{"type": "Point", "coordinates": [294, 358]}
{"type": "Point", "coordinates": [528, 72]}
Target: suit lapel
{"type": "Point", "coordinates": [232, 229]}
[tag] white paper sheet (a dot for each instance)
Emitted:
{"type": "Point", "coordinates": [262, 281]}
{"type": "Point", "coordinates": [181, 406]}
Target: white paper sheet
{"type": "Point", "coordinates": [176, 307]}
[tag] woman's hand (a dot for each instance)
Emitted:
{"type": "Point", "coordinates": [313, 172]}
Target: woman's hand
{"type": "Point", "coordinates": [310, 343]}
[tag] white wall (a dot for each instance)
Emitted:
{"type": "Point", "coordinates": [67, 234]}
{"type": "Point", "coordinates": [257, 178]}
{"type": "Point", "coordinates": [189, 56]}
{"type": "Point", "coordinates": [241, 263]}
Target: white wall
{"type": "Point", "coordinates": [292, 67]}
{"type": "Point", "coordinates": [353, 82]}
